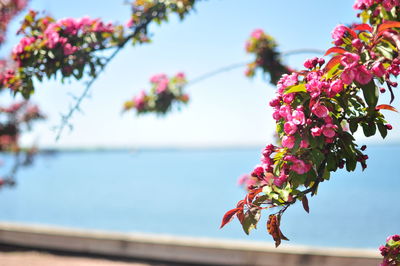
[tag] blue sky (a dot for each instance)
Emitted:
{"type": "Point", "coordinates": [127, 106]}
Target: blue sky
{"type": "Point", "coordinates": [226, 110]}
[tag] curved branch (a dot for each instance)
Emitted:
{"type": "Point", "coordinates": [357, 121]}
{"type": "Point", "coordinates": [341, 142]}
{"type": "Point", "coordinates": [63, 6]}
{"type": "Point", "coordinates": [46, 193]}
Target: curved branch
{"type": "Point", "coordinates": [303, 51]}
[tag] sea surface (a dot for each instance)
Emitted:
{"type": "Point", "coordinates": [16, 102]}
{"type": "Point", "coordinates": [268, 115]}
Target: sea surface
{"type": "Point", "coordinates": [186, 193]}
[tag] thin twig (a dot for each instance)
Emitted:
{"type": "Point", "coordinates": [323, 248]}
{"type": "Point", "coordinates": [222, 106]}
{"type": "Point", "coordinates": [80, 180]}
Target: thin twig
{"type": "Point", "coordinates": [216, 72]}
{"type": "Point", "coordinates": [242, 64]}
{"type": "Point", "coordinates": [303, 51]}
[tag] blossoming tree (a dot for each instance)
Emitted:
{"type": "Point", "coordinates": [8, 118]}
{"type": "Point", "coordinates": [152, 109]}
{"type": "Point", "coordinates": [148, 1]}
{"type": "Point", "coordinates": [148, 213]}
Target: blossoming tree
{"type": "Point", "coordinates": [317, 110]}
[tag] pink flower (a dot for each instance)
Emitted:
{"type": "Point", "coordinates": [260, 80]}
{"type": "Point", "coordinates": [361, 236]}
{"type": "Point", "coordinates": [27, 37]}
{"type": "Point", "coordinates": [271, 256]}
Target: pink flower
{"type": "Point", "coordinates": [350, 60]}
{"type": "Point", "coordinates": [69, 49]}
{"type": "Point", "coordinates": [304, 144]}
{"type": "Point", "coordinates": [363, 76]}
{"type": "Point", "coordinates": [336, 86]}
{"type": "Point", "coordinates": [158, 77]}
{"type": "Point", "coordinates": [298, 117]}
{"type": "Point", "coordinates": [180, 75]}
{"type": "Point", "coordinates": [300, 166]}
{"type": "Point", "coordinates": [348, 76]}
{"type": "Point", "coordinates": [280, 180]}
{"type": "Point", "coordinates": [288, 141]}
{"type": "Point", "coordinates": [316, 131]}
{"type": "Point", "coordinates": [257, 33]}
{"type": "Point", "coordinates": [320, 110]}
{"type": "Point", "coordinates": [290, 128]}
{"type": "Point", "coordinates": [338, 33]}
{"type": "Point", "coordinates": [378, 69]}
{"type": "Point", "coordinates": [140, 100]}
{"type": "Point", "coordinates": [288, 98]}
{"type": "Point", "coordinates": [286, 112]}
{"type": "Point", "coordinates": [314, 87]}
{"type": "Point", "coordinates": [276, 115]}
{"type": "Point", "coordinates": [162, 86]}
{"type": "Point", "coordinates": [328, 130]}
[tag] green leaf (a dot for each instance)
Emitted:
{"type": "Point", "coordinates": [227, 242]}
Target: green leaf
{"type": "Point", "coordinates": [331, 162]}
{"type": "Point", "coordinates": [353, 126]}
{"type": "Point", "coordinates": [371, 94]}
{"type": "Point", "coordinates": [317, 157]}
{"type": "Point", "coordinates": [296, 88]}
{"type": "Point", "coordinates": [351, 164]}
{"type": "Point", "coordinates": [382, 129]}
{"type": "Point", "coordinates": [251, 219]}
{"type": "Point", "coordinates": [369, 129]}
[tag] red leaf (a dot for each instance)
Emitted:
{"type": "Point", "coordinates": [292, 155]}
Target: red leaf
{"type": "Point", "coordinates": [386, 107]}
{"type": "Point", "coordinates": [240, 216]}
{"type": "Point", "coordinates": [334, 61]}
{"type": "Point", "coordinates": [250, 196]}
{"type": "Point", "coordinates": [228, 216]}
{"type": "Point", "coordinates": [363, 27]}
{"type": "Point", "coordinates": [305, 204]}
{"type": "Point", "coordinates": [388, 25]}
{"type": "Point", "coordinates": [337, 50]}
{"type": "Point", "coordinates": [352, 33]}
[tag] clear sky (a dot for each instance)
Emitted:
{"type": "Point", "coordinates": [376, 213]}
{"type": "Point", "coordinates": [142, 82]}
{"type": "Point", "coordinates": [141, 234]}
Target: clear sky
{"type": "Point", "coordinates": [226, 110]}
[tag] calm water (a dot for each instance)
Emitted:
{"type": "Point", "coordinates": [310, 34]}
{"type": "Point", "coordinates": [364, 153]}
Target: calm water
{"type": "Point", "coordinates": [187, 192]}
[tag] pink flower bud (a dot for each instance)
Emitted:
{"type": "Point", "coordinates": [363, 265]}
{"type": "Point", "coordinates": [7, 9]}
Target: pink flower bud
{"type": "Point", "coordinates": [378, 69]}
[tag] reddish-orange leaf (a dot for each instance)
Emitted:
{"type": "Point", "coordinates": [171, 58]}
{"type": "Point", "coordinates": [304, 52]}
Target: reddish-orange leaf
{"type": "Point", "coordinates": [228, 216]}
{"type": "Point", "coordinates": [250, 196]}
{"type": "Point", "coordinates": [337, 50]}
{"type": "Point", "coordinates": [363, 27]}
{"type": "Point", "coordinates": [388, 25]}
{"type": "Point", "coordinates": [351, 32]}
{"type": "Point", "coordinates": [386, 107]}
{"type": "Point", "coordinates": [305, 204]}
{"type": "Point", "coordinates": [334, 61]}
{"type": "Point", "coordinates": [240, 216]}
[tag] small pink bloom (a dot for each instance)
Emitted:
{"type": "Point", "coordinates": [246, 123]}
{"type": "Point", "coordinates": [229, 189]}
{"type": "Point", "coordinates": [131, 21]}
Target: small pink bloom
{"type": "Point", "coordinates": [69, 49]}
{"type": "Point", "coordinates": [288, 141]}
{"type": "Point", "coordinates": [162, 86]}
{"type": "Point", "coordinates": [286, 112]}
{"type": "Point", "coordinates": [329, 130]}
{"type": "Point", "coordinates": [298, 117]}
{"type": "Point", "coordinates": [350, 60]}
{"type": "Point", "coordinates": [280, 180]}
{"type": "Point", "coordinates": [338, 33]}
{"type": "Point", "coordinates": [363, 76]}
{"type": "Point", "coordinates": [157, 78]}
{"type": "Point", "coordinates": [316, 131]}
{"type": "Point", "coordinates": [320, 110]}
{"type": "Point", "coordinates": [300, 166]}
{"type": "Point", "coordinates": [348, 76]}
{"type": "Point", "coordinates": [378, 69]}
{"type": "Point", "coordinates": [336, 86]}
{"type": "Point", "coordinates": [288, 98]}
{"type": "Point", "coordinates": [290, 128]}
{"type": "Point", "coordinates": [304, 144]}
{"type": "Point", "coordinates": [276, 115]}
{"type": "Point", "coordinates": [180, 75]}
{"type": "Point", "coordinates": [257, 33]}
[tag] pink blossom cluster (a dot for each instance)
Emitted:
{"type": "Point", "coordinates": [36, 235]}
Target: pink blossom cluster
{"type": "Point", "coordinates": [391, 251]}
{"type": "Point", "coordinates": [365, 4]}
{"type": "Point", "coordinates": [267, 58]}
{"type": "Point", "coordinates": [164, 92]}
{"type": "Point", "coordinates": [8, 10]}
{"type": "Point", "coordinates": [62, 34]}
